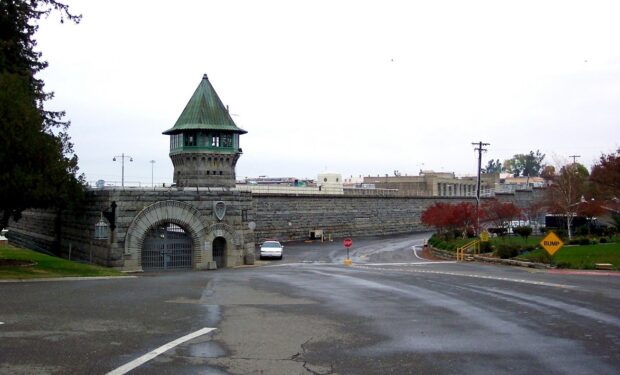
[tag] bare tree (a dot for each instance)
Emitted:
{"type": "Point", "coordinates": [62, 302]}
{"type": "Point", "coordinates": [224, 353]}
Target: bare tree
{"type": "Point", "coordinates": [566, 192]}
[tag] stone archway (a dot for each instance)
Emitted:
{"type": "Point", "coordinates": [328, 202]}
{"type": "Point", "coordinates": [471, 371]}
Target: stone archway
{"type": "Point", "coordinates": [219, 252]}
{"type": "Point", "coordinates": [166, 247]}
{"type": "Point", "coordinates": [232, 254]}
{"type": "Point", "coordinates": [159, 213]}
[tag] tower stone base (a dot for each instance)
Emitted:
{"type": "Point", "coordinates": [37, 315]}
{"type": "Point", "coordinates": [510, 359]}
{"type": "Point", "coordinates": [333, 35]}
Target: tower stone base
{"type": "Point", "coordinates": [204, 169]}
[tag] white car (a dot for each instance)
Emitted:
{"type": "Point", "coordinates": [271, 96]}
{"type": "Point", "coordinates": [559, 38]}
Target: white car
{"type": "Point", "coordinates": [271, 249]}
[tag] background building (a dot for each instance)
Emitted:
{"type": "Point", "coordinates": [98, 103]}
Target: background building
{"type": "Point", "coordinates": [434, 184]}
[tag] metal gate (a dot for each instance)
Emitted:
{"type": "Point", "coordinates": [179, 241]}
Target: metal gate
{"type": "Point", "coordinates": [167, 247]}
{"type": "Point", "coordinates": [219, 252]}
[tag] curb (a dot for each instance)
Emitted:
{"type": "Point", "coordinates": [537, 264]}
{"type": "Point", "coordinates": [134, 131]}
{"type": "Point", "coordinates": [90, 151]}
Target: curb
{"type": "Point", "coordinates": [70, 278]}
{"type": "Point", "coordinates": [511, 262]}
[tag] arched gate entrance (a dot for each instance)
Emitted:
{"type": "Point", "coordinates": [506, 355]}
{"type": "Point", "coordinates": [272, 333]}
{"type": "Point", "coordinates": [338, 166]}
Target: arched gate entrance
{"type": "Point", "coordinates": [219, 252]}
{"type": "Point", "coordinates": [167, 247]}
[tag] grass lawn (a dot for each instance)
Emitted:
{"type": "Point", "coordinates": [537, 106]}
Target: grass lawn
{"type": "Point", "coordinates": [580, 257]}
{"type": "Point", "coordinates": [46, 266]}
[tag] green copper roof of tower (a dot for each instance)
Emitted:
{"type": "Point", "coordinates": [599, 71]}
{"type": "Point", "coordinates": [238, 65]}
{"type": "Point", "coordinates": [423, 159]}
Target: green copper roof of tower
{"type": "Point", "coordinates": [205, 111]}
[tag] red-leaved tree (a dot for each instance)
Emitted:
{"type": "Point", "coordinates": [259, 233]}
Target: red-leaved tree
{"type": "Point", "coordinates": [499, 213]}
{"type": "Point", "coordinates": [606, 176]}
{"type": "Point", "coordinates": [447, 218]}
{"type": "Point", "coordinates": [590, 209]}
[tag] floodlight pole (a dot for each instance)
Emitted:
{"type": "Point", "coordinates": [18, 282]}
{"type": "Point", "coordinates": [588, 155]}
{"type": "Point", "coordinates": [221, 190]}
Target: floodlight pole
{"type": "Point", "coordinates": [122, 156]}
{"type": "Point", "coordinates": [152, 165]}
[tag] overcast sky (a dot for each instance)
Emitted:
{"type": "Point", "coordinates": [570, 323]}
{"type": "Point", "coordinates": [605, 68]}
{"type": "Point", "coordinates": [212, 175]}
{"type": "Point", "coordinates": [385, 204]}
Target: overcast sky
{"type": "Point", "coordinates": [356, 87]}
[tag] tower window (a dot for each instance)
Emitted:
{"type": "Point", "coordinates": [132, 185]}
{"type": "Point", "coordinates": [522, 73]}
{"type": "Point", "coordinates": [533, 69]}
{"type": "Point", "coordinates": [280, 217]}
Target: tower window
{"type": "Point", "coordinates": [190, 140]}
{"type": "Point", "coordinates": [227, 140]}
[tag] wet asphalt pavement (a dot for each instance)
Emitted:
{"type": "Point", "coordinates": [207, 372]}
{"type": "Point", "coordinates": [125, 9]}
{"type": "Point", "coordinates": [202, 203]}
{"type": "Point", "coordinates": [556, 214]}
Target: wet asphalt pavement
{"type": "Point", "coordinates": [391, 312]}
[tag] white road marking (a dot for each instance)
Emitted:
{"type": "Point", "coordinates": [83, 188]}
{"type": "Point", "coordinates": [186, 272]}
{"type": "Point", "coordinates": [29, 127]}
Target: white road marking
{"type": "Point", "coordinates": [415, 252]}
{"type": "Point", "coordinates": [162, 349]}
{"type": "Point", "coordinates": [1, 323]}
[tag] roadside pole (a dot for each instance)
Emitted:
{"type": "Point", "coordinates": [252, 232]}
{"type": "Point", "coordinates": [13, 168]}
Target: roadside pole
{"type": "Point", "coordinates": [348, 242]}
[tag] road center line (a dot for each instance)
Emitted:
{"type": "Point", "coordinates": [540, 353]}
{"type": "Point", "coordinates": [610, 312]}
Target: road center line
{"type": "Point", "coordinates": [162, 349]}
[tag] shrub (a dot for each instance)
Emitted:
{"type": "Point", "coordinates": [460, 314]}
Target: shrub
{"type": "Point", "coordinates": [433, 240]}
{"type": "Point", "coordinates": [602, 240]}
{"type": "Point", "coordinates": [524, 231]}
{"type": "Point", "coordinates": [582, 230]}
{"type": "Point", "coordinates": [500, 231]}
{"type": "Point", "coordinates": [505, 251]}
{"type": "Point", "coordinates": [486, 247]}
{"type": "Point", "coordinates": [584, 241]}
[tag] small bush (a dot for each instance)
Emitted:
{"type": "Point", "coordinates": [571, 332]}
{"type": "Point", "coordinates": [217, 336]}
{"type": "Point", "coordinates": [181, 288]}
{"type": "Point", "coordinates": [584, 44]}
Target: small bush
{"type": "Point", "coordinates": [506, 251]}
{"type": "Point", "coordinates": [500, 231]}
{"type": "Point", "coordinates": [584, 241]}
{"type": "Point", "coordinates": [574, 241]}
{"type": "Point", "coordinates": [582, 230]}
{"type": "Point", "coordinates": [523, 231]}
{"type": "Point", "coordinates": [602, 240]}
{"type": "Point", "coordinates": [486, 247]}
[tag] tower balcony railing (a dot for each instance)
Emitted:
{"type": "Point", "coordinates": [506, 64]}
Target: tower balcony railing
{"type": "Point", "coordinates": [231, 149]}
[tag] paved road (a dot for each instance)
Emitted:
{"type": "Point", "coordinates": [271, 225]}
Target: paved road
{"type": "Point", "coordinates": [389, 313]}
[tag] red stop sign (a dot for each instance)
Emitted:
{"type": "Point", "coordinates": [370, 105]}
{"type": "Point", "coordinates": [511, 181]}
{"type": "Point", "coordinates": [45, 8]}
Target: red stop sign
{"type": "Point", "coordinates": [348, 242]}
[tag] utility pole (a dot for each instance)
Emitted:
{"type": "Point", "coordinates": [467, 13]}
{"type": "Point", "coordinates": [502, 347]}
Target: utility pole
{"type": "Point", "coordinates": [480, 147]}
{"type": "Point", "coordinates": [574, 158]}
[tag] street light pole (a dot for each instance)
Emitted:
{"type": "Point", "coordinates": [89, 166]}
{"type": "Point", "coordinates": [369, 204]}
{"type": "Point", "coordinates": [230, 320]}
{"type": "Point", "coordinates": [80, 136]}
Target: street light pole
{"type": "Point", "coordinates": [152, 165]}
{"type": "Point", "coordinates": [122, 156]}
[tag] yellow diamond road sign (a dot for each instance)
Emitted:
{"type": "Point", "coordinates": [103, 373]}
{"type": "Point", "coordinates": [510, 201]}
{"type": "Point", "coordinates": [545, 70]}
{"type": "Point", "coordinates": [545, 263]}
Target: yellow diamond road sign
{"type": "Point", "coordinates": [552, 243]}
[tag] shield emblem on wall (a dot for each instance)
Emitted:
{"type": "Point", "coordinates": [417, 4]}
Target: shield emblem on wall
{"type": "Point", "coordinates": [220, 210]}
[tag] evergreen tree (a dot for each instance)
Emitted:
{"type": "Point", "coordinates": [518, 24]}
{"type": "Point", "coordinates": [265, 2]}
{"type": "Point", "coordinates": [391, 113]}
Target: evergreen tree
{"type": "Point", "coordinates": [493, 166]}
{"type": "Point", "coordinates": [525, 164]}
{"type": "Point", "coordinates": [38, 168]}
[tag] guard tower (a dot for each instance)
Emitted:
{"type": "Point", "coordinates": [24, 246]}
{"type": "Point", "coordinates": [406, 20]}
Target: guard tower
{"type": "Point", "coordinates": [204, 142]}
